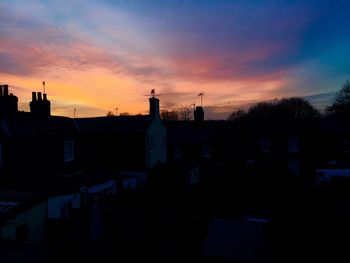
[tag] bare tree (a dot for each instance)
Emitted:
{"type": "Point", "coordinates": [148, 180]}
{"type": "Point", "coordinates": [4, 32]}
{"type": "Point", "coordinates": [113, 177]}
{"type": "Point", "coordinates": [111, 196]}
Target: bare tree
{"type": "Point", "coordinates": [341, 104]}
{"type": "Point", "coordinates": [179, 112]}
{"type": "Point", "coordinates": [184, 112]}
{"type": "Point", "coordinates": [110, 114]}
{"type": "Point", "coordinates": [237, 115]}
{"type": "Point", "coordinates": [169, 115]}
{"type": "Point", "coordinates": [284, 109]}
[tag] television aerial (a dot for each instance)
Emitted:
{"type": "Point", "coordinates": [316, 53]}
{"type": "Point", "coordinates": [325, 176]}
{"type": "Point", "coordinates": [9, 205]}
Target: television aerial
{"type": "Point", "coordinates": [201, 95]}
{"type": "Point", "coordinates": [153, 94]}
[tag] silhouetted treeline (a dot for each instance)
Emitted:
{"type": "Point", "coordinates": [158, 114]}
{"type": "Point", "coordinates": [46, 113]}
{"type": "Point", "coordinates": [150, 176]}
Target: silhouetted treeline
{"type": "Point", "coordinates": [284, 109]}
{"type": "Point", "coordinates": [294, 108]}
{"type": "Point", "coordinates": [341, 104]}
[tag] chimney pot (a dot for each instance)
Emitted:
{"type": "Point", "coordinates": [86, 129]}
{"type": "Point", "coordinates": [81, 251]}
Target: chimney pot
{"type": "Point", "coordinates": [45, 96]}
{"type": "Point", "coordinates": [1, 91]}
{"type": "Point", "coordinates": [33, 96]}
{"type": "Point", "coordinates": [154, 107]}
{"type": "Point", "coordinates": [39, 96]}
{"type": "Point", "coordinates": [6, 90]}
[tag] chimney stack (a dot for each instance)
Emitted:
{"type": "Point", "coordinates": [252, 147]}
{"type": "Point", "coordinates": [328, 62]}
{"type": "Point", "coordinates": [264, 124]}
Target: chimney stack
{"type": "Point", "coordinates": [199, 114]}
{"type": "Point", "coordinates": [8, 104]}
{"type": "Point", "coordinates": [154, 107]}
{"type": "Point", "coordinates": [6, 90]}
{"type": "Point", "coordinates": [40, 107]}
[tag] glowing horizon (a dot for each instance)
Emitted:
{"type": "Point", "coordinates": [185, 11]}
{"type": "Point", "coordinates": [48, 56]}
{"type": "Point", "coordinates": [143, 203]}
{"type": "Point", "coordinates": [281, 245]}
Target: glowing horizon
{"type": "Point", "coordinates": [100, 55]}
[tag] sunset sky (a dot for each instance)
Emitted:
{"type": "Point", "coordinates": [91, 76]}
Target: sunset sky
{"type": "Point", "coordinates": [96, 56]}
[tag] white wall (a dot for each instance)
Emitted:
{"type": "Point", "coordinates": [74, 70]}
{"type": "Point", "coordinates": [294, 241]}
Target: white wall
{"type": "Point", "coordinates": [54, 204]}
{"type": "Point", "coordinates": [157, 131]}
{"type": "Point", "coordinates": [35, 218]}
{"type": "Point", "coordinates": [105, 186]}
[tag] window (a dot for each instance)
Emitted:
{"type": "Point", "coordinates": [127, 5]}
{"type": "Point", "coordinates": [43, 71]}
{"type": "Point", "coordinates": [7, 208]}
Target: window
{"type": "Point", "coordinates": [164, 142]}
{"type": "Point", "coordinates": [152, 144]}
{"type": "Point", "coordinates": [294, 167]}
{"type": "Point", "coordinates": [68, 150]}
{"type": "Point", "coordinates": [22, 232]}
{"type": "Point", "coordinates": [293, 144]}
{"type": "Point", "coordinates": [332, 163]}
{"type": "Point", "coordinates": [265, 144]}
{"type": "Point", "coordinates": [207, 151]}
{"type": "Point", "coordinates": [1, 156]}
{"type": "Point", "coordinates": [192, 178]}
{"type": "Point", "coordinates": [250, 162]}
{"type": "Point", "coordinates": [347, 144]}
{"type": "Point", "coordinates": [177, 152]}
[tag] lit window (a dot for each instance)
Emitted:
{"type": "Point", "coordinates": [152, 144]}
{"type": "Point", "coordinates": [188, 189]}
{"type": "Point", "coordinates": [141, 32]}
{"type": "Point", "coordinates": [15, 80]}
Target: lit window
{"type": "Point", "coordinates": [294, 167]}
{"type": "Point", "coordinates": [265, 144]}
{"type": "Point", "coordinates": [293, 144]}
{"type": "Point", "coordinates": [347, 144]}
{"type": "Point", "coordinates": [68, 151]}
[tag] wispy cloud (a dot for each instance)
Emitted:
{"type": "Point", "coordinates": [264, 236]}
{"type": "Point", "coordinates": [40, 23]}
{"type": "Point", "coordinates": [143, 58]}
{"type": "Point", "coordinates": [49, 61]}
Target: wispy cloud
{"type": "Point", "coordinates": [231, 50]}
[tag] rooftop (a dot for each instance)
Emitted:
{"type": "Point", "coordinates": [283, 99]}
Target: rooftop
{"type": "Point", "coordinates": [13, 203]}
{"type": "Point", "coordinates": [114, 124]}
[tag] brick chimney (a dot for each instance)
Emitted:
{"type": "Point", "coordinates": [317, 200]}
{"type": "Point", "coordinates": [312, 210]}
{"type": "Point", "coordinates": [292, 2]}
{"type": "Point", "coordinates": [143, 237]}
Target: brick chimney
{"type": "Point", "coordinates": [154, 107]}
{"type": "Point", "coordinates": [40, 106]}
{"type": "Point", "coordinates": [8, 103]}
{"type": "Point", "coordinates": [199, 114]}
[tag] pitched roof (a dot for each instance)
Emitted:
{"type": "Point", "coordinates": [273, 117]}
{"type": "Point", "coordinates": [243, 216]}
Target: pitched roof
{"type": "Point", "coordinates": [191, 132]}
{"type": "Point", "coordinates": [56, 183]}
{"type": "Point", "coordinates": [24, 124]}
{"type": "Point", "coordinates": [12, 203]}
{"type": "Point", "coordinates": [117, 124]}
{"type": "Point", "coordinates": [334, 126]}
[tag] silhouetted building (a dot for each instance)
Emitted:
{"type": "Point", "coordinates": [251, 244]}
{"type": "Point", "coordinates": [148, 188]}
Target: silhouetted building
{"type": "Point", "coordinates": [333, 147]}
{"type": "Point", "coordinates": [36, 146]}
{"type": "Point", "coordinates": [22, 217]}
{"type": "Point", "coordinates": [192, 142]}
{"type": "Point", "coordinates": [40, 107]}
{"type": "Point", "coordinates": [154, 107]}
{"type": "Point", "coordinates": [123, 142]}
{"type": "Point", "coordinates": [8, 102]}
{"type": "Point", "coordinates": [199, 114]}
{"type": "Point", "coordinates": [173, 177]}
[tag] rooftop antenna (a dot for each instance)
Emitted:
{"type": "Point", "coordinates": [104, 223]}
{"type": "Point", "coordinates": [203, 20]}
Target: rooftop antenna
{"type": "Point", "coordinates": [44, 86]}
{"type": "Point", "coordinates": [153, 94]}
{"type": "Point", "coordinates": [201, 95]}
